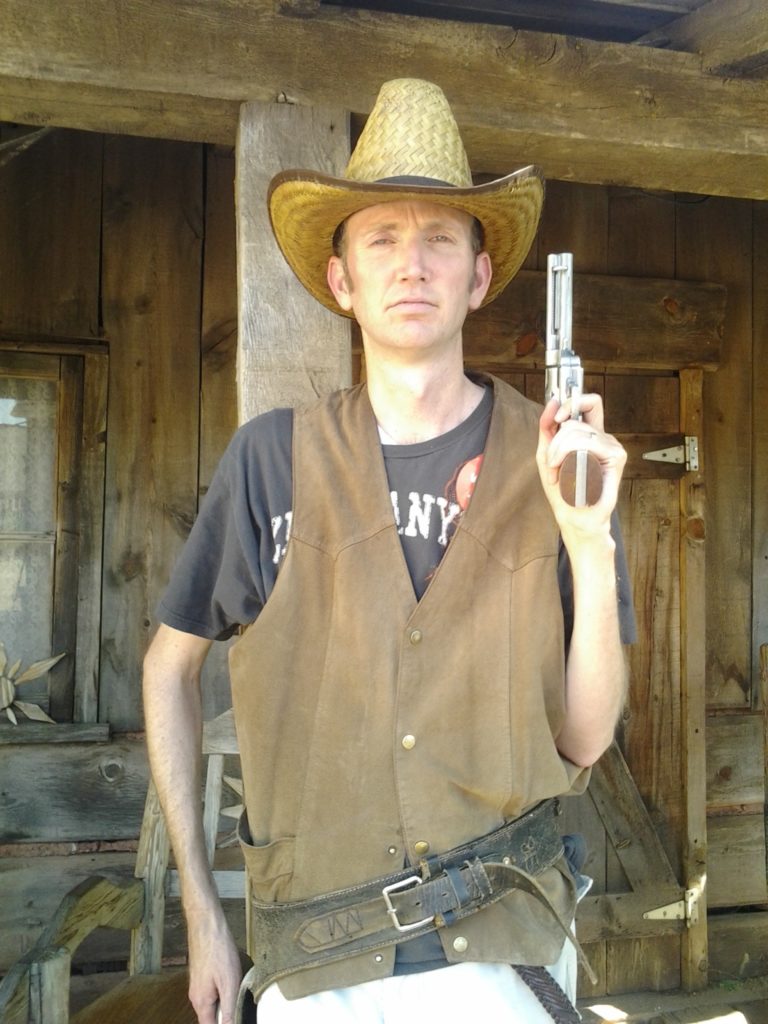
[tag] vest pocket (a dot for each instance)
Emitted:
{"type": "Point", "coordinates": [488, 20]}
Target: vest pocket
{"type": "Point", "coordinates": [269, 866]}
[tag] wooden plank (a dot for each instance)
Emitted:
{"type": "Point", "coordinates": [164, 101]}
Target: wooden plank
{"type": "Point", "coordinates": [639, 241]}
{"type": "Point", "coordinates": [292, 349]}
{"type": "Point", "coordinates": [61, 685]}
{"type": "Point", "coordinates": [42, 733]}
{"type": "Point", "coordinates": [618, 323]}
{"type": "Point", "coordinates": [651, 729]}
{"type": "Point", "coordinates": [99, 791]}
{"type": "Point", "coordinates": [738, 945]}
{"type": "Point", "coordinates": [624, 101]}
{"type": "Point", "coordinates": [735, 763]}
{"type": "Point", "coordinates": [760, 437]}
{"type": "Point", "coordinates": [621, 915]}
{"type": "Point", "coordinates": [152, 273]}
{"type": "Point", "coordinates": [91, 528]}
{"type": "Point", "coordinates": [730, 35]}
{"type": "Point", "coordinates": [736, 861]}
{"type": "Point", "coordinates": [218, 381]}
{"type": "Point", "coordinates": [714, 241]}
{"type": "Point", "coordinates": [50, 209]}
{"type": "Point", "coordinates": [629, 825]}
{"type": "Point", "coordinates": [693, 685]}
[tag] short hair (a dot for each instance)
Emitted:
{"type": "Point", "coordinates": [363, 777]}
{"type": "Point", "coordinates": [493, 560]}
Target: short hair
{"type": "Point", "coordinates": [477, 237]}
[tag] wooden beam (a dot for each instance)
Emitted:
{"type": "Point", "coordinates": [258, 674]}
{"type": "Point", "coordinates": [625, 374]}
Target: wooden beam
{"type": "Point", "coordinates": [594, 112]}
{"type": "Point", "coordinates": [618, 323]}
{"type": "Point", "coordinates": [731, 36]}
{"type": "Point", "coordinates": [290, 349]}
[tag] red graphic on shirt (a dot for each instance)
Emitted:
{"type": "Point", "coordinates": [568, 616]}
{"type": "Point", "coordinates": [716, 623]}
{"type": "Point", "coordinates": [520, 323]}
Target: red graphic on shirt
{"type": "Point", "coordinates": [466, 478]}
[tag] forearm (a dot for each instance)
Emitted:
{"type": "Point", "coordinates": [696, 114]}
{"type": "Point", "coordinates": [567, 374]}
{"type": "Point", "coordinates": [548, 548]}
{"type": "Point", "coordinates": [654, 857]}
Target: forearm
{"type": "Point", "coordinates": [173, 716]}
{"type": "Point", "coordinates": [595, 685]}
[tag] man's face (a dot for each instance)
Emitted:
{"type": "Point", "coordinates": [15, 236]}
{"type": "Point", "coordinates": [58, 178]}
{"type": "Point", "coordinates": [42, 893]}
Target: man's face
{"type": "Point", "coordinates": [410, 275]}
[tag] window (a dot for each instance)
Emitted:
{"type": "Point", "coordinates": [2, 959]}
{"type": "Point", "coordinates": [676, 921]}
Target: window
{"type": "Point", "coordinates": [50, 525]}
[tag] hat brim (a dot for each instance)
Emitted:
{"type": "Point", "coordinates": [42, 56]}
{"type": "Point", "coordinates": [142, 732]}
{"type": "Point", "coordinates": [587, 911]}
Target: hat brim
{"type": "Point", "coordinates": [305, 209]}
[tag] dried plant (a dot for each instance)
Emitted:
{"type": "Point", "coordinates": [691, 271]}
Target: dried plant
{"type": "Point", "coordinates": [10, 679]}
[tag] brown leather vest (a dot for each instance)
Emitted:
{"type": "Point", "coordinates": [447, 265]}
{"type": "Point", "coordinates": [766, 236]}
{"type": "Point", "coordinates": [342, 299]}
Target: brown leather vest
{"type": "Point", "coordinates": [374, 728]}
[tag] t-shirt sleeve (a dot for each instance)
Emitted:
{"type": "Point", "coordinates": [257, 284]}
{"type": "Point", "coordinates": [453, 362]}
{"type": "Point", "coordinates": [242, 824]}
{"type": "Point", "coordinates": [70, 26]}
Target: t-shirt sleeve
{"type": "Point", "coordinates": [627, 625]}
{"type": "Point", "coordinates": [229, 563]}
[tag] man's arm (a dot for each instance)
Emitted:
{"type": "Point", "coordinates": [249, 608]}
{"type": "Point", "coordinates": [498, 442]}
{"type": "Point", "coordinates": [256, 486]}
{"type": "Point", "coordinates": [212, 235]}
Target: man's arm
{"type": "Point", "coordinates": [173, 716]}
{"type": "Point", "coordinates": [596, 668]}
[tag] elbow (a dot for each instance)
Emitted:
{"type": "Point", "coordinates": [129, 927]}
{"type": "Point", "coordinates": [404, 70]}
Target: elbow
{"type": "Point", "coordinates": [584, 752]}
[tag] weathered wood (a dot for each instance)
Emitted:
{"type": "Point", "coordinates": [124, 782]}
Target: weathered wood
{"type": "Point", "coordinates": [735, 764]}
{"type": "Point", "coordinates": [712, 242]}
{"type": "Point", "coordinates": [61, 679]}
{"type": "Point", "coordinates": [620, 915]}
{"type": "Point", "coordinates": [49, 988]}
{"type": "Point", "coordinates": [736, 861]}
{"type": "Point", "coordinates": [160, 997]}
{"type": "Point", "coordinates": [290, 348]}
{"type": "Point", "coordinates": [730, 35]}
{"type": "Point", "coordinates": [151, 866]}
{"type": "Point", "coordinates": [618, 323]}
{"type": "Point", "coordinates": [616, 130]}
{"type": "Point", "coordinates": [693, 685]}
{"type": "Point", "coordinates": [38, 733]}
{"type": "Point", "coordinates": [738, 945]}
{"type": "Point", "coordinates": [50, 203]}
{"type": "Point", "coordinates": [218, 376]}
{"type": "Point", "coordinates": [153, 207]}
{"type": "Point", "coordinates": [628, 824]}
{"type": "Point", "coordinates": [91, 534]}
{"type": "Point", "coordinates": [760, 442]}
{"type": "Point", "coordinates": [99, 791]}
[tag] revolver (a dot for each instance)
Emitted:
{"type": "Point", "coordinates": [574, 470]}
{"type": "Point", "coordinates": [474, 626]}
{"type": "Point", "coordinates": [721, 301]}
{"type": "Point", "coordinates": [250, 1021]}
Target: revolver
{"type": "Point", "coordinates": [580, 474]}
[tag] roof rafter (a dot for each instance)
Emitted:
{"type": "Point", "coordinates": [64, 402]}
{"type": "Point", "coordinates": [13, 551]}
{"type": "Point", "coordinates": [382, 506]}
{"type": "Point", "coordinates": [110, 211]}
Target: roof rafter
{"type": "Point", "coordinates": [731, 36]}
{"type": "Point", "coordinates": [587, 111]}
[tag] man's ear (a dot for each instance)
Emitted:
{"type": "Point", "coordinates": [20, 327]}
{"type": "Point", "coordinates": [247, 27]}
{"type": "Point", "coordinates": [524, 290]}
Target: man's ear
{"type": "Point", "coordinates": [338, 283]}
{"type": "Point", "coordinates": [481, 281]}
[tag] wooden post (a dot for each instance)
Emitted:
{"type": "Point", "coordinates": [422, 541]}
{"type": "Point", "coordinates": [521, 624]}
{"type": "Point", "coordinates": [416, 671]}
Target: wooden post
{"type": "Point", "coordinates": [49, 987]}
{"type": "Point", "coordinates": [692, 677]}
{"type": "Point", "coordinates": [290, 348]}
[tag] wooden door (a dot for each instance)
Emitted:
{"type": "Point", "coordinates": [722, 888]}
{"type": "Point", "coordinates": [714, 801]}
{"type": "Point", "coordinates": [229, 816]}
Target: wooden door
{"type": "Point", "coordinates": [645, 340]}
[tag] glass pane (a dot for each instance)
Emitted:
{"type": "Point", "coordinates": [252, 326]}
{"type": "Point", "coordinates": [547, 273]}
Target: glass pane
{"type": "Point", "coordinates": [28, 410]}
{"type": "Point", "coordinates": [26, 588]}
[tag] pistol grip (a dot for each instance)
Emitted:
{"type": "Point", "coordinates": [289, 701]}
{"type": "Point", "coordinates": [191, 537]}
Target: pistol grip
{"type": "Point", "coordinates": [586, 479]}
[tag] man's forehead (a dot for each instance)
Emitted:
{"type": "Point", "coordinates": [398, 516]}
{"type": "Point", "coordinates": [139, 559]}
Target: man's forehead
{"type": "Point", "coordinates": [395, 214]}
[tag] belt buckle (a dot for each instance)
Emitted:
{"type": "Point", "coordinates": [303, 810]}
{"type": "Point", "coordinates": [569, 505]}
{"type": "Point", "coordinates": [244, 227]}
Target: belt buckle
{"type": "Point", "coordinates": [397, 887]}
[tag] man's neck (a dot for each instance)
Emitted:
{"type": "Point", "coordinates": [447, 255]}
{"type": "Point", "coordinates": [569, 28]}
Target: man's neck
{"type": "Point", "coordinates": [417, 403]}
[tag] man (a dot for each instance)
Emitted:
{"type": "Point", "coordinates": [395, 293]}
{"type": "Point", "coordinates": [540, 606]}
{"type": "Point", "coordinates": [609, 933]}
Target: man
{"type": "Point", "coordinates": [435, 643]}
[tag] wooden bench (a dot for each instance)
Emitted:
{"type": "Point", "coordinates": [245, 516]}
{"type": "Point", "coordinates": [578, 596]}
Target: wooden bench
{"type": "Point", "coordinates": [37, 988]}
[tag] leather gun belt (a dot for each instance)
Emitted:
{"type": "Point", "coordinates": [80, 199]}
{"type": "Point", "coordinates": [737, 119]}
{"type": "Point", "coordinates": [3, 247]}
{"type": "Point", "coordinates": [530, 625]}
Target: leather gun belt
{"type": "Point", "coordinates": [295, 935]}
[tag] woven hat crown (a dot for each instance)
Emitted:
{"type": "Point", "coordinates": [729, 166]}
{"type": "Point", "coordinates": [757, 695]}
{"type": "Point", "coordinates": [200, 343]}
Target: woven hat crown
{"type": "Point", "coordinates": [411, 132]}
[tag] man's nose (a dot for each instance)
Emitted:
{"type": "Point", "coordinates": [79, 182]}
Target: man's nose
{"type": "Point", "coordinates": [413, 258]}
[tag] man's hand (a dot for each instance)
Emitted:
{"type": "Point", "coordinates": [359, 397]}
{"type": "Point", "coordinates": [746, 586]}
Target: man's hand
{"type": "Point", "coordinates": [214, 969]}
{"type": "Point", "coordinates": [559, 435]}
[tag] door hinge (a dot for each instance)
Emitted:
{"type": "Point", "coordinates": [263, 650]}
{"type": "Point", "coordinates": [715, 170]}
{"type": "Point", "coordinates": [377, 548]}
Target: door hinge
{"type": "Point", "coordinates": [686, 909]}
{"type": "Point", "coordinates": [686, 454]}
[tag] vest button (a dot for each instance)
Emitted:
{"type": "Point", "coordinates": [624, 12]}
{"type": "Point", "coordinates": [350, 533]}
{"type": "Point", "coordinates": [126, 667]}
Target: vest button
{"type": "Point", "coordinates": [421, 847]}
{"type": "Point", "coordinates": [460, 944]}
{"type": "Point", "coordinates": [392, 851]}
{"type": "Point", "coordinates": [409, 742]}
{"type": "Point", "coordinates": [415, 637]}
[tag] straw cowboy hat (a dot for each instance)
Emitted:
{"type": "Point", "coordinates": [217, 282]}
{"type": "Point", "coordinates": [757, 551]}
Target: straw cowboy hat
{"type": "Point", "coordinates": [410, 149]}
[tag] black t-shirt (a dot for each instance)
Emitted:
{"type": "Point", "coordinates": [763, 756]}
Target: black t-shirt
{"type": "Point", "coordinates": [230, 562]}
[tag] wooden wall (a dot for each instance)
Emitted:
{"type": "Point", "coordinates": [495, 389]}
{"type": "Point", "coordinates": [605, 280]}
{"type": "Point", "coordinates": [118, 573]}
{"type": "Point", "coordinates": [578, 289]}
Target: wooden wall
{"type": "Point", "coordinates": [126, 246]}
{"type": "Point", "coordinates": [130, 243]}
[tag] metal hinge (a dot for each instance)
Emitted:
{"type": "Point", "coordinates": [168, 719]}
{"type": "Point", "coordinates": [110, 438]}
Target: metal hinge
{"type": "Point", "coordinates": [686, 454]}
{"type": "Point", "coordinates": [686, 909]}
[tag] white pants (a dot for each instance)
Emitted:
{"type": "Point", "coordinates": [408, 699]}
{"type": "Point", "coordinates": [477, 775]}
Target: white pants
{"type": "Point", "coordinates": [452, 995]}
